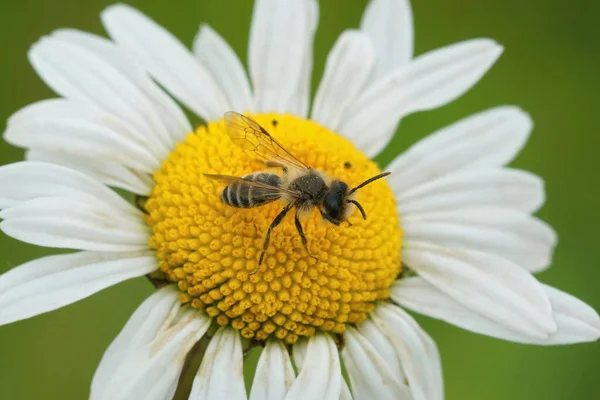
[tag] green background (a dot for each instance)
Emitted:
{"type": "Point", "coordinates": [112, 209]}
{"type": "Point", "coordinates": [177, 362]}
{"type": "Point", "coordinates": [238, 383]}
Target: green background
{"type": "Point", "coordinates": [550, 68]}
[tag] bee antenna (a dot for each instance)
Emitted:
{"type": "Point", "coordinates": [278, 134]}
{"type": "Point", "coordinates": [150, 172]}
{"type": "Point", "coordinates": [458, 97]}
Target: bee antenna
{"type": "Point", "coordinates": [357, 204]}
{"type": "Point", "coordinates": [365, 183]}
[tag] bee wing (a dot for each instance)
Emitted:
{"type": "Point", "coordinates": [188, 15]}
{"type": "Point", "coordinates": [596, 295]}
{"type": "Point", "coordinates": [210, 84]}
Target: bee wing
{"type": "Point", "coordinates": [266, 189]}
{"type": "Point", "coordinates": [249, 135]}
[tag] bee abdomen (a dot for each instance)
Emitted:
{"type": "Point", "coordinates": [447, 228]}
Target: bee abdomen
{"type": "Point", "coordinates": [241, 195]}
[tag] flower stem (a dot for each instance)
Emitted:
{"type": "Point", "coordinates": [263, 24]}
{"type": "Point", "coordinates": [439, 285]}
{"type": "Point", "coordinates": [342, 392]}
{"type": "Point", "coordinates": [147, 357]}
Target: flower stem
{"type": "Point", "coordinates": [190, 367]}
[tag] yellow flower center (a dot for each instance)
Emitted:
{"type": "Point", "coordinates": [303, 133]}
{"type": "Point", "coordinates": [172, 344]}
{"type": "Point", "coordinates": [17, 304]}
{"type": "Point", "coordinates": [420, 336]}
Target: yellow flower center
{"type": "Point", "coordinates": [211, 249]}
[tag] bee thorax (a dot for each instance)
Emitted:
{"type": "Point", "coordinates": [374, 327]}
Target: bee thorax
{"type": "Point", "coordinates": [312, 186]}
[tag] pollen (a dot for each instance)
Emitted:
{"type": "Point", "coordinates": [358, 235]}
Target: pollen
{"type": "Point", "coordinates": [211, 250]}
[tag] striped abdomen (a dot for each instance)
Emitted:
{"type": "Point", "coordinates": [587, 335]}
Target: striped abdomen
{"type": "Point", "coordinates": [243, 195]}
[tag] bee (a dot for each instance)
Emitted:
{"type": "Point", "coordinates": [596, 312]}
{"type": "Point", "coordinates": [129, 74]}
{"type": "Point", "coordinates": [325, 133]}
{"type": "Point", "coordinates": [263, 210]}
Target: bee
{"type": "Point", "coordinates": [300, 187]}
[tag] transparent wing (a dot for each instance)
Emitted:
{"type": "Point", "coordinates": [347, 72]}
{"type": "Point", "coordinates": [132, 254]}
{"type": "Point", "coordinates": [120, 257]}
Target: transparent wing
{"type": "Point", "coordinates": [266, 189]}
{"type": "Point", "coordinates": [249, 135]}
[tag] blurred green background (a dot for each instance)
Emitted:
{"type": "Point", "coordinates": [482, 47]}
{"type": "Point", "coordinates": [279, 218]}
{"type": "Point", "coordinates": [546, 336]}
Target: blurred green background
{"type": "Point", "coordinates": [550, 68]}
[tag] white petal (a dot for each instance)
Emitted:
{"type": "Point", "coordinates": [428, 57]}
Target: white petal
{"type": "Point", "coordinates": [428, 82]}
{"type": "Point", "coordinates": [221, 375]}
{"type": "Point", "coordinates": [167, 60]}
{"type": "Point", "coordinates": [417, 351]}
{"type": "Point", "coordinates": [503, 188]}
{"type": "Point", "coordinates": [345, 393]}
{"type": "Point", "coordinates": [389, 23]}
{"type": "Point", "coordinates": [420, 296]}
{"type": "Point", "coordinates": [348, 66]}
{"type": "Point", "coordinates": [29, 180]}
{"type": "Point", "coordinates": [166, 113]}
{"type": "Point", "coordinates": [225, 66]}
{"type": "Point", "coordinates": [141, 328]}
{"type": "Point", "coordinates": [299, 352]}
{"type": "Point", "coordinates": [320, 376]}
{"type": "Point", "coordinates": [77, 128]}
{"type": "Point", "coordinates": [384, 347]}
{"type": "Point", "coordinates": [109, 174]}
{"type": "Point", "coordinates": [369, 374]}
{"type": "Point", "coordinates": [516, 236]}
{"type": "Point", "coordinates": [52, 282]}
{"type": "Point", "coordinates": [491, 138]}
{"type": "Point", "coordinates": [300, 102]}
{"type": "Point", "coordinates": [79, 74]}
{"type": "Point", "coordinates": [576, 321]}
{"type": "Point", "coordinates": [274, 373]}
{"type": "Point", "coordinates": [280, 43]}
{"type": "Point", "coordinates": [489, 285]}
{"type": "Point", "coordinates": [151, 371]}
{"type": "Point", "coordinates": [66, 223]}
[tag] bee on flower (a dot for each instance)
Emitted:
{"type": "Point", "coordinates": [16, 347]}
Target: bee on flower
{"type": "Point", "coordinates": [270, 226]}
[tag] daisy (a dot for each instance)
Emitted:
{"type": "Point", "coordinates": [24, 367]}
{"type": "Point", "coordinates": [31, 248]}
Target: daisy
{"type": "Point", "coordinates": [450, 234]}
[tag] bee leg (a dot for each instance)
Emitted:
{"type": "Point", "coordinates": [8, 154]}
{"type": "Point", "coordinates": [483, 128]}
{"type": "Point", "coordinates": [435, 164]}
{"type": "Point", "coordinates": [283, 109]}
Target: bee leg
{"type": "Point", "coordinates": [275, 164]}
{"type": "Point", "coordinates": [302, 235]}
{"type": "Point", "coordinates": [275, 222]}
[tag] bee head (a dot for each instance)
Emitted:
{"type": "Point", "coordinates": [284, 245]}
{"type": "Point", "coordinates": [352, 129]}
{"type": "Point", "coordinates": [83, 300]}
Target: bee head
{"type": "Point", "coordinates": [334, 203]}
{"type": "Point", "coordinates": [339, 201]}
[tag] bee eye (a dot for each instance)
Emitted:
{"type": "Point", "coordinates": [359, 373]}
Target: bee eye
{"type": "Point", "coordinates": [333, 203]}
{"type": "Point", "coordinates": [333, 207]}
